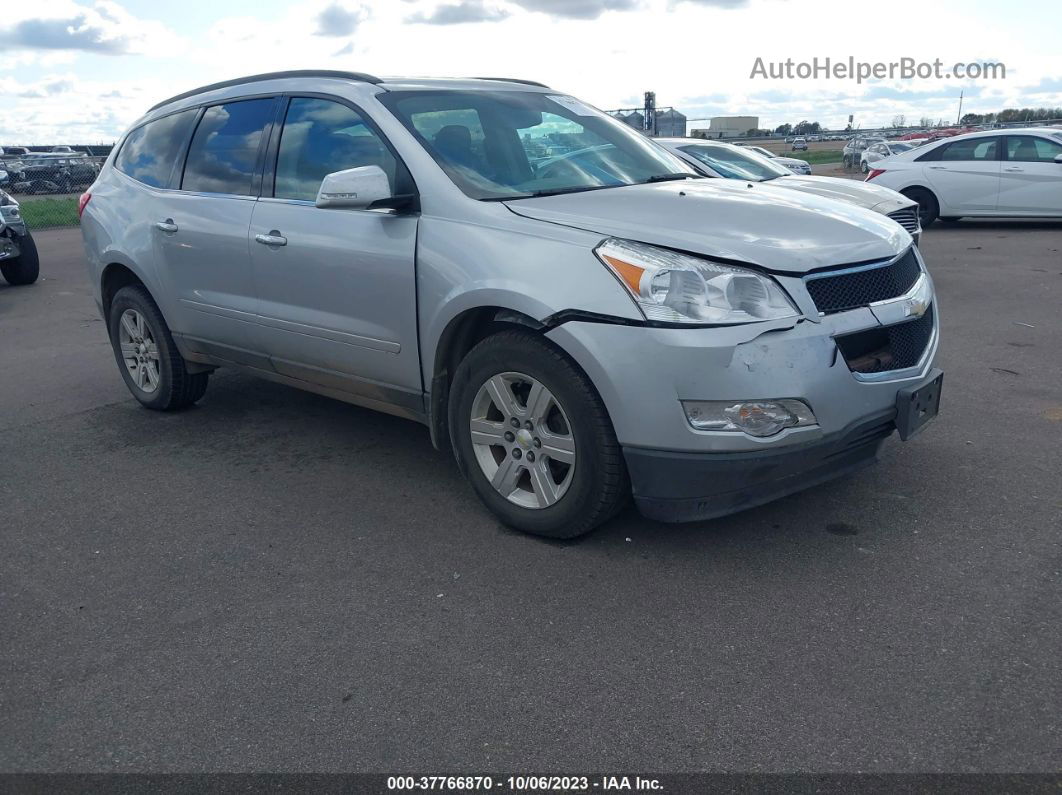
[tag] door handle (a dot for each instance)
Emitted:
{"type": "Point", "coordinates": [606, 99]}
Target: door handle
{"type": "Point", "coordinates": [936, 168]}
{"type": "Point", "coordinates": [274, 238]}
{"type": "Point", "coordinates": [167, 226]}
{"type": "Point", "coordinates": [1014, 168]}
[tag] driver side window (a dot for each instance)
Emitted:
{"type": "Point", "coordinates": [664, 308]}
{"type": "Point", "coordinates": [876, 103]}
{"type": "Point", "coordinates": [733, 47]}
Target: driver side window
{"type": "Point", "coordinates": [321, 137]}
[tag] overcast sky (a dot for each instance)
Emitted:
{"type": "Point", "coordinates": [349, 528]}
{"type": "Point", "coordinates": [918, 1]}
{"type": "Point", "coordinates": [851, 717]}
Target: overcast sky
{"type": "Point", "coordinates": [79, 71]}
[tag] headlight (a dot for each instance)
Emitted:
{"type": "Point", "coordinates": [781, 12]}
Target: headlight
{"type": "Point", "coordinates": [678, 288]}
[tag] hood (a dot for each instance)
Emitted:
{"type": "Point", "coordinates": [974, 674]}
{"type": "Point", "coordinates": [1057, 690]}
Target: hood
{"type": "Point", "coordinates": [862, 194]}
{"type": "Point", "coordinates": [775, 228]}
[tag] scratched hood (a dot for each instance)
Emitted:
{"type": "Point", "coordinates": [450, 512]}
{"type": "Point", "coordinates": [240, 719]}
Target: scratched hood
{"type": "Point", "coordinates": [776, 228]}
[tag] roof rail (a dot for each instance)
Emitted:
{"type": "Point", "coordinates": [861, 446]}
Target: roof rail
{"type": "Point", "coordinates": [513, 80]}
{"type": "Point", "coordinates": [359, 76]}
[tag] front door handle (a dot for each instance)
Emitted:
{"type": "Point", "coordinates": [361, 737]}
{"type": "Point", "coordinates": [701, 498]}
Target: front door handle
{"type": "Point", "coordinates": [167, 226]}
{"type": "Point", "coordinates": [1014, 168]}
{"type": "Point", "coordinates": [274, 238]}
{"type": "Point", "coordinates": [936, 168]}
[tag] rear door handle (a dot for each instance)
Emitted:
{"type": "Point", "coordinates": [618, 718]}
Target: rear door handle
{"type": "Point", "coordinates": [167, 226]}
{"type": "Point", "coordinates": [937, 168]}
{"type": "Point", "coordinates": [274, 238]}
{"type": "Point", "coordinates": [1014, 168]}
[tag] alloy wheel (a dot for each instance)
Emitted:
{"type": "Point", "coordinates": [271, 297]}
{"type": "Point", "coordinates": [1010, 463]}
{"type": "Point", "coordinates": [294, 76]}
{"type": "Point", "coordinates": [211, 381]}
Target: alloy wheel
{"type": "Point", "coordinates": [522, 440]}
{"type": "Point", "coordinates": [139, 351]}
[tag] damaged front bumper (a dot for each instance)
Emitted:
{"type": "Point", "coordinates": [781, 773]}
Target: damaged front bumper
{"type": "Point", "coordinates": [679, 473]}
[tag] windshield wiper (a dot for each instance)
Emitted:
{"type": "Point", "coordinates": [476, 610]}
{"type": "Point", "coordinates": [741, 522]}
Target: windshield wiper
{"type": "Point", "coordinates": [549, 192]}
{"type": "Point", "coordinates": [671, 177]}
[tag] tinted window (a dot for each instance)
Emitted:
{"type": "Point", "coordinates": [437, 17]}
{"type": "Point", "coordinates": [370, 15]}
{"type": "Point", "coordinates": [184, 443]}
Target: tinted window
{"type": "Point", "coordinates": [321, 137]}
{"type": "Point", "coordinates": [972, 149]}
{"type": "Point", "coordinates": [150, 152]}
{"type": "Point", "coordinates": [225, 147]}
{"type": "Point", "coordinates": [1032, 149]}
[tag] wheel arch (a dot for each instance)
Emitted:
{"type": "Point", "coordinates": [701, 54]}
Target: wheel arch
{"type": "Point", "coordinates": [461, 333]}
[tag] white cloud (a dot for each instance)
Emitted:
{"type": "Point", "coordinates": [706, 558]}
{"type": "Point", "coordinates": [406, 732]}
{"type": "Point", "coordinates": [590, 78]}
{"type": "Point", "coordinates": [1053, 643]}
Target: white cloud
{"type": "Point", "coordinates": [696, 55]}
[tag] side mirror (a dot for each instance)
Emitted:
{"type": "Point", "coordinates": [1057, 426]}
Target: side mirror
{"type": "Point", "coordinates": [1058, 158]}
{"type": "Point", "coordinates": [355, 188]}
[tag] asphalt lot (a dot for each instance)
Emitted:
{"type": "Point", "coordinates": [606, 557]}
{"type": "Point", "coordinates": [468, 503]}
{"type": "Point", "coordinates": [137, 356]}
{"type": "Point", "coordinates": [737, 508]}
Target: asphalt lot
{"type": "Point", "coordinates": [277, 581]}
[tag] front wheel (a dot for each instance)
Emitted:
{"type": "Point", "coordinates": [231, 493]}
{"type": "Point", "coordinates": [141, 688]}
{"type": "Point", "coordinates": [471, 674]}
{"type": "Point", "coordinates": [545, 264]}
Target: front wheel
{"type": "Point", "coordinates": [866, 167]}
{"type": "Point", "coordinates": [147, 356]}
{"type": "Point", "coordinates": [26, 267]}
{"type": "Point", "coordinates": [532, 435]}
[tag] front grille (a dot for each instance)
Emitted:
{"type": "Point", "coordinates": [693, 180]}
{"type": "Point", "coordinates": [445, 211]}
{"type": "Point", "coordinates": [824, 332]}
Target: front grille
{"type": "Point", "coordinates": [879, 350]}
{"type": "Point", "coordinates": [908, 219]}
{"type": "Point", "coordinates": [859, 287]}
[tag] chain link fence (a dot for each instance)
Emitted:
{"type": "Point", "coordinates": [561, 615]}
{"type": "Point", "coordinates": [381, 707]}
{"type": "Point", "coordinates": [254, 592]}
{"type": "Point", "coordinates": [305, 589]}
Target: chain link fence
{"type": "Point", "coordinates": [47, 187]}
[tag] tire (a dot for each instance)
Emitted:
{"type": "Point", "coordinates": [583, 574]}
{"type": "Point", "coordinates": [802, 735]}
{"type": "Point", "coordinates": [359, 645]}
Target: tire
{"type": "Point", "coordinates": [26, 267]}
{"type": "Point", "coordinates": [167, 385]}
{"type": "Point", "coordinates": [928, 208]}
{"type": "Point", "coordinates": [589, 490]}
{"type": "Point", "coordinates": [865, 167]}
{"type": "Point", "coordinates": [951, 219]}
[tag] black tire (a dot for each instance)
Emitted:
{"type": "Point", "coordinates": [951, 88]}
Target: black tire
{"type": "Point", "coordinates": [599, 486]}
{"type": "Point", "coordinates": [865, 167]}
{"type": "Point", "coordinates": [177, 388]}
{"type": "Point", "coordinates": [951, 219]}
{"type": "Point", "coordinates": [26, 267]}
{"type": "Point", "coordinates": [928, 208]}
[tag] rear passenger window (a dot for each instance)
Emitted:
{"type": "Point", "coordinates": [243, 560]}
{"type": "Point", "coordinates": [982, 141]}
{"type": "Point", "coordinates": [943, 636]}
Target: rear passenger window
{"type": "Point", "coordinates": [321, 137]}
{"type": "Point", "coordinates": [225, 147]}
{"type": "Point", "coordinates": [971, 149]}
{"type": "Point", "coordinates": [151, 151]}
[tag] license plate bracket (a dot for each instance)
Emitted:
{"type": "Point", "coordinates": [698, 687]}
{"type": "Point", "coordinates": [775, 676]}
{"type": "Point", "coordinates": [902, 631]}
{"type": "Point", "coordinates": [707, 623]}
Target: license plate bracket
{"type": "Point", "coordinates": [917, 406]}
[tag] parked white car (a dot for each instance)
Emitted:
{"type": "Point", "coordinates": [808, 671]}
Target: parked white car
{"type": "Point", "coordinates": [880, 150]}
{"type": "Point", "coordinates": [792, 163]}
{"type": "Point", "coordinates": [800, 144]}
{"type": "Point", "coordinates": [727, 161]}
{"type": "Point", "coordinates": [1012, 174]}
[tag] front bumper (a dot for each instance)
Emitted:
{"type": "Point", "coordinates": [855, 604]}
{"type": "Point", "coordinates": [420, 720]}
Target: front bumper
{"type": "Point", "coordinates": [687, 487]}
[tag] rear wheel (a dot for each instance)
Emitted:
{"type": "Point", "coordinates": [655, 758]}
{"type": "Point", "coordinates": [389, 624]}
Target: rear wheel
{"type": "Point", "coordinates": [151, 365]}
{"type": "Point", "coordinates": [866, 167]}
{"type": "Point", "coordinates": [26, 267]}
{"type": "Point", "coordinates": [928, 209]}
{"type": "Point", "coordinates": [533, 437]}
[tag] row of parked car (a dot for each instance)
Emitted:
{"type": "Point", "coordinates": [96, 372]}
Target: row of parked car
{"type": "Point", "coordinates": [62, 170]}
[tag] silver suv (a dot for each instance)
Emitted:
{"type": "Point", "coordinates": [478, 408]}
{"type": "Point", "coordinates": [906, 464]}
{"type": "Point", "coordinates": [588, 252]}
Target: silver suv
{"type": "Point", "coordinates": [565, 304]}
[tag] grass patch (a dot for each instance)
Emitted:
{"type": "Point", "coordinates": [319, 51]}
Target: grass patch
{"type": "Point", "coordinates": [815, 155]}
{"type": "Point", "coordinates": [44, 213]}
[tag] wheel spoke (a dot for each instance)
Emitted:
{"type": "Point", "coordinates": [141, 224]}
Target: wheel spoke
{"type": "Point", "coordinates": [543, 486]}
{"type": "Point", "coordinates": [559, 448]}
{"type": "Point", "coordinates": [128, 348]}
{"type": "Point", "coordinates": [539, 400]}
{"type": "Point", "coordinates": [141, 375]}
{"type": "Point", "coordinates": [140, 325]}
{"type": "Point", "coordinates": [152, 351]}
{"type": "Point", "coordinates": [152, 376]}
{"type": "Point", "coordinates": [129, 325]}
{"type": "Point", "coordinates": [487, 432]}
{"type": "Point", "coordinates": [505, 478]}
{"type": "Point", "coordinates": [503, 396]}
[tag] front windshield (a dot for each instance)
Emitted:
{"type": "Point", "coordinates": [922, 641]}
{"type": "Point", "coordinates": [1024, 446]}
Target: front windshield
{"type": "Point", "coordinates": [516, 144]}
{"type": "Point", "coordinates": [735, 163]}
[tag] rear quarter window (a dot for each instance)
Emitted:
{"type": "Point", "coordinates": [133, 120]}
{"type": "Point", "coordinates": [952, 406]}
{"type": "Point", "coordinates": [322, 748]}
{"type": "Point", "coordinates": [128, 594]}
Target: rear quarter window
{"type": "Point", "coordinates": [151, 151]}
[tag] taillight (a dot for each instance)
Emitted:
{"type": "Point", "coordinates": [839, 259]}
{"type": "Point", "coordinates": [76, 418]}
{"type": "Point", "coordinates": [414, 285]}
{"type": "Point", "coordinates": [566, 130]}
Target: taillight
{"type": "Point", "coordinates": [82, 203]}
{"type": "Point", "coordinates": [873, 173]}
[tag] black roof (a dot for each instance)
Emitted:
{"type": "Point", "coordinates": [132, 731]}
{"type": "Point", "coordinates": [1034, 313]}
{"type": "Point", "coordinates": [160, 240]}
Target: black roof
{"type": "Point", "coordinates": [359, 76]}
